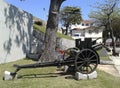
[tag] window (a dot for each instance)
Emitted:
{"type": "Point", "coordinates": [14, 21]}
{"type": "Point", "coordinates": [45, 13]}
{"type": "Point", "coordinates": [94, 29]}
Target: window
{"type": "Point", "coordinates": [76, 35]}
{"type": "Point", "coordinates": [96, 31]}
{"type": "Point", "coordinates": [82, 24]}
{"type": "Point", "coordinates": [87, 24]}
{"type": "Point", "coordinates": [90, 31]}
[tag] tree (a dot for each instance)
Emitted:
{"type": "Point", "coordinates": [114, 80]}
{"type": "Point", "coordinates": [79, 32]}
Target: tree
{"type": "Point", "coordinates": [103, 16]}
{"type": "Point", "coordinates": [70, 15]}
{"type": "Point", "coordinates": [100, 19]}
{"type": "Point", "coordinates": [51, 29]}
{"type": "Point", "coordinates": [116, 24]}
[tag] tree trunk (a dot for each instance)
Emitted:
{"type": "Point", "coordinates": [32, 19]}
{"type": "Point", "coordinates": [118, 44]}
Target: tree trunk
{"type": "Point", "coordinates": [111, 35]}
{"type": "Point", "coordinates": [66, 33]}
{"type": "Point", "coordinates": [51, 29]}
{"type": "Point", "coordinates": [105, 32]}
{"type": "Point", "coordinates": [113, 40]}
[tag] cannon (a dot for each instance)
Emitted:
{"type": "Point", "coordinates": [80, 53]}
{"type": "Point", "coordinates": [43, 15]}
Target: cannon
{"type": "Point", "coordinates": [83, 58]}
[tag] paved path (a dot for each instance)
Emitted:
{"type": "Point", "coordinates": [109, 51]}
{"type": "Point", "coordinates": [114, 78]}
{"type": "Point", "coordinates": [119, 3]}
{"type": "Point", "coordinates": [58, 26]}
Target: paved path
{"type": "Point", "coordinates": [112, 67]}
{"type": "Point", "coordinates": [109, 69]}
{"type": "Point", "coordinates": [116, 62]}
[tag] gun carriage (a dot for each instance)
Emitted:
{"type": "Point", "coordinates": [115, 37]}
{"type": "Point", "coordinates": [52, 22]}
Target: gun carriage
{"type": "Point", "coordinates": [83, 58]}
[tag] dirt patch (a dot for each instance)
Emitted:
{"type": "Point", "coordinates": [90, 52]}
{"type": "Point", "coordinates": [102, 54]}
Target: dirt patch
{"type": "Point", "coordinates": [109, 69]}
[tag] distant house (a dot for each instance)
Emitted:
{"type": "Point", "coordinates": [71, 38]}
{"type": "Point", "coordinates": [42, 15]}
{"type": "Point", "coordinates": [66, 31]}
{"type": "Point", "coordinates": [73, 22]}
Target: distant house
{"type": "Point", "coordinates": [86, 29]}
{"type": "Point", "coordinates": [15, 32]}
{"type": "Point", "coordinates": [94, 33]}
{"type": "Point", "coordinates": [84, 24]}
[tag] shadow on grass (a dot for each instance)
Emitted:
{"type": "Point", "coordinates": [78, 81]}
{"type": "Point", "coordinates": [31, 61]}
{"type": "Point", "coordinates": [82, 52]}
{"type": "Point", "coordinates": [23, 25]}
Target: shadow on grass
{"type": "Point", "coordinates": [48, 75]}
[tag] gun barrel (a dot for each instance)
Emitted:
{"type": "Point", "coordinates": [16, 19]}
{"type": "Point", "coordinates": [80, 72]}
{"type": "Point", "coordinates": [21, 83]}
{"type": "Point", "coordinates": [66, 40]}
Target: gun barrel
{"type": "Point", "coordinates": [46, 64]}
{"type": "Point", "coordinates": [97, 46]}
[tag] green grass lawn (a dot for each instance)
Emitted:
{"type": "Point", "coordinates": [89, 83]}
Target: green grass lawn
{"type": "Point", "coordinates": [42, 29]}
{"type": "Point", "coordinates": [46, 78]}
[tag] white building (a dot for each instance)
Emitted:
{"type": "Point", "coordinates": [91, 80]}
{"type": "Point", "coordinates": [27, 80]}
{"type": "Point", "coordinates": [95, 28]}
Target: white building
{"type": "Point", "coordinates": [86, 29]}
{"type": "Point", "coordinates": [84, 24]}
{"type": "Point", "coordinates": [94, 33]}
{"type": "Point", "coordinates": [15, 32]}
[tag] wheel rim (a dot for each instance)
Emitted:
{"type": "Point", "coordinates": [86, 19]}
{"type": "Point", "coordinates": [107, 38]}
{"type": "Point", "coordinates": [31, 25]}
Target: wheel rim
{"type": "Point", "coordinates": [69, 52]}
{"type": "Point", "coordinates": [86, 61]}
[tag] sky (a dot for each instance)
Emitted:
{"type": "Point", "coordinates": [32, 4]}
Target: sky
{"type": "Point", "coordinates": [36, 7]}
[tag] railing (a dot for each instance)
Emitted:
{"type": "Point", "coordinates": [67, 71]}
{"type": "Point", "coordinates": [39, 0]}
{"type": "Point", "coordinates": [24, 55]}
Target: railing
{"type": "Point", "coordinates": [117, 44]}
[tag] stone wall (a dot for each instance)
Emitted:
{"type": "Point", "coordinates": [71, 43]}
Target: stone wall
{"type": "Point", "coordinates": [15, 32]}
{"type": "Point", "coordinates": [39, 38]}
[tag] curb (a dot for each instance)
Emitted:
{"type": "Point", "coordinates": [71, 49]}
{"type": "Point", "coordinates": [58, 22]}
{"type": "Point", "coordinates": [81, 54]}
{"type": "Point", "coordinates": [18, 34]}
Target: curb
{"type": "Point", "coordinates": [103, 62]}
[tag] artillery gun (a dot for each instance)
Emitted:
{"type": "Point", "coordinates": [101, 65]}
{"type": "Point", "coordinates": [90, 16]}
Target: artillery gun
{"type": "Point", "coordinates": [83, 58]}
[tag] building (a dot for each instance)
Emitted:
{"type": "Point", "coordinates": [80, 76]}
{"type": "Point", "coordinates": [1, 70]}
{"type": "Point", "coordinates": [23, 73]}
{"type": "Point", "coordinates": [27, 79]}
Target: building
{"type": "Point", "coordinates": [84, 24]}
{"type": "Point", "coordinates": [15, 32]}
{"type": "Point", "coordinates": [86, 29]}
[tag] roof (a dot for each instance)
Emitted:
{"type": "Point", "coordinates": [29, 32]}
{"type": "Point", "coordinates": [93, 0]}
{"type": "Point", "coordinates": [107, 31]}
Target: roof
{"type": "Point", "coordinates": [86, 21]}
{"type": "Point", "coordinates": [93, 28]}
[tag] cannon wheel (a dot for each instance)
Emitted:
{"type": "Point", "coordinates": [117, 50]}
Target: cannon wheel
{"type": "Point", "coordinates": [69, 51]}
{"type": "Point", "coordinates": [86, 61]}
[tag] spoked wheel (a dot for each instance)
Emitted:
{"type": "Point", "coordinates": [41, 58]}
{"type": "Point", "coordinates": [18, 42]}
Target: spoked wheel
{"type": "Point", "coordinates": [86, 61]}
{"type": "Point", "coordinates": [71, 52]}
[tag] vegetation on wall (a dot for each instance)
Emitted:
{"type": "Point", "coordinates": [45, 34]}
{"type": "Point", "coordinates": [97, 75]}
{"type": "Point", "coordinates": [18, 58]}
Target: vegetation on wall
{"type": "Point", "coordinates": [42, 29]}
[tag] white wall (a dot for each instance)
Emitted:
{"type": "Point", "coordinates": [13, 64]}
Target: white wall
{"type": "Point", "coordinates": [94, 35]}
{"type": "Point", "coordinates": [66, 43]}
{"type": "Point", "coordinates": [15, 32]}
{"type": "Point", "coordinates": [79, 26]}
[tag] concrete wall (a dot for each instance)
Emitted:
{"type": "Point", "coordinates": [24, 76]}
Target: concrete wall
{"type": "Point", "coordinates": [15, 32]}
{"type": "Point", "coordinates": [66, 43]}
